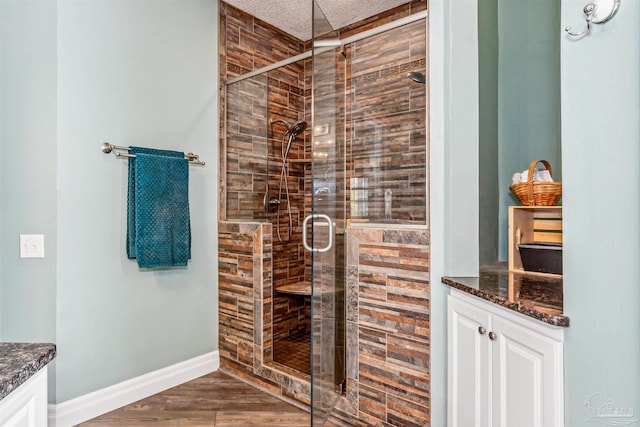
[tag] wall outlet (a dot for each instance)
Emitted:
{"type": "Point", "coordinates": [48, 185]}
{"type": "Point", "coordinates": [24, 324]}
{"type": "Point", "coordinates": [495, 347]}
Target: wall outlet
{"type": "Point", "coordinates": [32, 246]}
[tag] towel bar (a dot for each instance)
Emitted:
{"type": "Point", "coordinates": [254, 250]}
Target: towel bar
{"type": "Point", "coordinates": [118, 151]}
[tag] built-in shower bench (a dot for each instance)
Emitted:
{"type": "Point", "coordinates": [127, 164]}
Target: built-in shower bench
{"type": "Point", "coordinates": [301, 288]}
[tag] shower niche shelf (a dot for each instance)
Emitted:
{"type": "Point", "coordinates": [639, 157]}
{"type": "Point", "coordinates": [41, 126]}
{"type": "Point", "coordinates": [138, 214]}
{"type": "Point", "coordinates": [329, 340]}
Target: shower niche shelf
{"type": "Point", "coordinates": [302, 288]}
{"type": "Point", "coordinates": [300, 161]}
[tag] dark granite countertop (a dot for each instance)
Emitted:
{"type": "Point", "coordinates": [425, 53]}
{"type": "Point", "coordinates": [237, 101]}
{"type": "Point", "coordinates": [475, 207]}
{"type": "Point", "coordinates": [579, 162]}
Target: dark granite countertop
{"type": "Point", "coordinates": [536, 296]}
{"type": "Point", "coordinates": [20, 361]}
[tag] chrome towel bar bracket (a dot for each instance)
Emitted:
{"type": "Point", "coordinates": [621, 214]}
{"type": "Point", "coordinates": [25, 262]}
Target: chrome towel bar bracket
{"type": "Point", "coordinates": [596, 12]}
{"type": "Point", "coordinates": [121, 151]}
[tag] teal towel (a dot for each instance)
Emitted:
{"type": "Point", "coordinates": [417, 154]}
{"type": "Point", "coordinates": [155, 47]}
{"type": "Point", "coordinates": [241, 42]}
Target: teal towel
{"type": "Point", "coordinates": [158, 227]}
{"type": "Point", "coordinates": [131, 194]}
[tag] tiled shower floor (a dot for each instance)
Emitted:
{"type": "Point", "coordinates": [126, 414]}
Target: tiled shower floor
{"type": "Point", "coordinates": [294, 352]}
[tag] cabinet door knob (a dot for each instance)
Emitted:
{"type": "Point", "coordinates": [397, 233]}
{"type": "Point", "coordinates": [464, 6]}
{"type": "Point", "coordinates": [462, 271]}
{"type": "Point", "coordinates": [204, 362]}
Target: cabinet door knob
{"type": "Point", "coordinates": [492, 336]}
{"type": "Point", "coordinates": [481, 330]}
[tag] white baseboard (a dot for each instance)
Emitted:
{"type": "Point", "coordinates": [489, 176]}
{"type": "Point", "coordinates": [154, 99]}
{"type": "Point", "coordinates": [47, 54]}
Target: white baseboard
{"type": "Point", "coordinates": [83, 408]}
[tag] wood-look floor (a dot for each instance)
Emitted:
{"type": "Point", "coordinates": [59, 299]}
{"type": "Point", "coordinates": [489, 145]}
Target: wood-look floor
{"type": "Point", "coordinates": [216, 399]}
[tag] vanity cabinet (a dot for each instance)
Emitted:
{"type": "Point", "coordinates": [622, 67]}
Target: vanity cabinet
{"type": "Point", "coordinates": [26, 406]}
{"type": "Point", "coordinates": [504, 369]}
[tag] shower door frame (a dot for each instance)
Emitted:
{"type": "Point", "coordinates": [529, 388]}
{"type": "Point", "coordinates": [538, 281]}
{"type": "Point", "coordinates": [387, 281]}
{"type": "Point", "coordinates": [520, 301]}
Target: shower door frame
{"type": "Point", "coordinates": [328, 214]}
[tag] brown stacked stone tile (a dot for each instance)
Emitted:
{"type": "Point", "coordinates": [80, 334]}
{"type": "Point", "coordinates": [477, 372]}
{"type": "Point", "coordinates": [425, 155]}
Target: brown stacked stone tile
{"type": "Point", "coordinates": [254, 148]}
{"type": "Point", "coordinates": [245, 307]}
{"type": "Point", "coordinates": [387, 313]}
{"type": "Point", "coordinates": [387, 126]}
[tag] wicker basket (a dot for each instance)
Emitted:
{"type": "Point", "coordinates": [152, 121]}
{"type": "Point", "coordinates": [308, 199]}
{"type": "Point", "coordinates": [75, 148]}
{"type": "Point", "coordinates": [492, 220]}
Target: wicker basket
{"type": "Point", "coordinates": [537, 193]}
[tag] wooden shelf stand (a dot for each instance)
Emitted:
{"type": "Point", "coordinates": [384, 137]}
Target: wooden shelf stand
{"type": "Point", "coordinates": [532, 224]}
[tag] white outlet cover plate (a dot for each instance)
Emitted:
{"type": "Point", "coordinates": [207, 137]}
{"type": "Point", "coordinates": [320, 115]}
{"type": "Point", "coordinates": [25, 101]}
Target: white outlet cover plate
{"type": "Point", "coordinates": [32, 246]}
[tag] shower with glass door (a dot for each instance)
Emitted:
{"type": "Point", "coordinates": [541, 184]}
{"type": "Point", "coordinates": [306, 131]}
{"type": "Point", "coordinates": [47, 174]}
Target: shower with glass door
{"type": "Point", "coordinates": [281, 172]}
{"type": "Point", "coordinates": [313, 148]}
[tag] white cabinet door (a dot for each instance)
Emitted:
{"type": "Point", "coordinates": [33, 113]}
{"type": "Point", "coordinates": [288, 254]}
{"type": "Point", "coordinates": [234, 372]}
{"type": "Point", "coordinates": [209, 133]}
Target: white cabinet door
{"type": "Point", "coordinates": [504, 370]}
{"type": "Point", "coordinates": [527, 374]}
{"type": "Point", "coordinates": [26, 406]}
{"type": "Point", "coordinates": [469, 365]}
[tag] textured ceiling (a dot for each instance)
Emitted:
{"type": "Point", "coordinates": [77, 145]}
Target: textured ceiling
{"type": "Point", "coordinates": [294, 16]}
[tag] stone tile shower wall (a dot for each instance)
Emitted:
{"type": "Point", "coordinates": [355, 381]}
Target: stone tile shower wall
{"type": "Point", "coordinates": [253, 151]}
{"type": "Point", "coordinates": [253, 155]}
{"type": "Point", "coordinates": [388, 324]}
{"type": "Point", "coordinates": [245, 307]}
{"type": "Point", "coordinates": [387, 127]}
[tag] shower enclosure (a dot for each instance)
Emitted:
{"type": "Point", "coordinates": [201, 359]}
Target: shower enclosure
{"type": "Point", "coordinates": [313, 148]}
{"type": "Point", "coordinates": [280, 171]}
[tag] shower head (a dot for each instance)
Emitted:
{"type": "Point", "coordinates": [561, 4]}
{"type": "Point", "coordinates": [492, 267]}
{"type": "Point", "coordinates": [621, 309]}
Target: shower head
{"type": "Point", "coordinates": [296, 128]}
{"type": "Point", "coordinates": [417, 77]}
{"type": "Point", "coordinates": [293, 131]}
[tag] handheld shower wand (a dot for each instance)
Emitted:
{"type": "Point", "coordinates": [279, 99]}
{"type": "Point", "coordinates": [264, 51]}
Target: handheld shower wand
{"type": "Point", "coordinates": [283, 187]}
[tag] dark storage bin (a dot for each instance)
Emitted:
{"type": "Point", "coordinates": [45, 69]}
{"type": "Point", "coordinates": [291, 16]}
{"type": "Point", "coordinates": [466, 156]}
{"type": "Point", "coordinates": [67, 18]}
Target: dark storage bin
{"type": "Point", "coordinates": [541, 257]}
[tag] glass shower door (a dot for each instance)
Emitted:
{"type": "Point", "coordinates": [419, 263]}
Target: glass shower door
{"type": "Point", "coordinates": [324, 227]}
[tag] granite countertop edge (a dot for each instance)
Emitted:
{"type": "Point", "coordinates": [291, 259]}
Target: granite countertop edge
{"type": "Point", "coordinates": [562, 321]}
{"type": "Point", "coordinates": [21, 361]}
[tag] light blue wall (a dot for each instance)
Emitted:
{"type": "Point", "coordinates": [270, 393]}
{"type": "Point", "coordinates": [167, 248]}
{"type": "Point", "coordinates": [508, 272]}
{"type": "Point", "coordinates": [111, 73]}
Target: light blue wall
{"type": "Point", "coordinates": [132, 73]}
{"type": "Point", "coordinates": [600, 159]}
{"type": "Point", "coordinates": [438, 85]}
{"type": "Point", "coordinates": [461, 149]}
{"type": "Point", "coordinates": [28, 167]}
{"type": "Point", "coordinates": [135, 72]}
{"type": "Point", "coordinates": [528, 95]}
{"type": "Point", "coordinates": [519, 66]}
{"type": "Point", "coordinates": [453, 151]}
{"type": "Point", "coordinates": [488, 83]}
{"type": "Point", "coordinates": [28, 136]}
{"type": "Point", "coordinates": [2, 102]}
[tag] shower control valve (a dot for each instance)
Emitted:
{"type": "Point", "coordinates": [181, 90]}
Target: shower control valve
{"type": "Point", "coordinates": [271, 203]}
